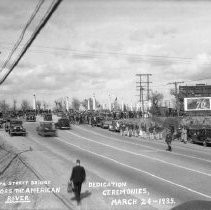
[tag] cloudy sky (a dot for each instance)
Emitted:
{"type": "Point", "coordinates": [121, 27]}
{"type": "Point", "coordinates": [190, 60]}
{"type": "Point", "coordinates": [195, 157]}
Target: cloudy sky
{"type": "Point", "coordinates": [98, 46]}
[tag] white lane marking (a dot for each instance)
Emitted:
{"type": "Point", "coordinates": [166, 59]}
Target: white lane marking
{"type": "Point", "coordinates": [115, 139]}
{"type": "Point", "coordinates": [136, 169]}
{"type": "Point", "coordinates": [138, 154]}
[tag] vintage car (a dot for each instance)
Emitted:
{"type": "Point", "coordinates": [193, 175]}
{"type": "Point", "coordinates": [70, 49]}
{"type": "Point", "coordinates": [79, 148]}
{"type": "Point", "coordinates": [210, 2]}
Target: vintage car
{"type": "Point", "coordinates": [15, 127]}
{"type": "Point", "coordinates": [116, 125]}
{"type": "Point", "coordinates": [60, 114]}
{"type": "Point", "coordinates": [31, 118]}
{"type": "Point", "coordinates": [200, 135]}
{"type": "Point", "coordinates": [111, 126]}
{"type": "Point", "coordinates": [63, 123]}
{"type": "Point", "coordinates": [99, 121]}
{"type": "Point", "coordinates": [105, 124]}
{"type": "Point", "coordinates": [48, 117]}
{"type": "Point", "coordinates": [1, 123]}
{"type": "Point", "coordinates": [46, 128]}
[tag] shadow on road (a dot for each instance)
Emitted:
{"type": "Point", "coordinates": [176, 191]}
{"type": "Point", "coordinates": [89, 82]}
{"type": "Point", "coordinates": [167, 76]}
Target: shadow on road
{"type": "Point", "coordinates": [83, 195]}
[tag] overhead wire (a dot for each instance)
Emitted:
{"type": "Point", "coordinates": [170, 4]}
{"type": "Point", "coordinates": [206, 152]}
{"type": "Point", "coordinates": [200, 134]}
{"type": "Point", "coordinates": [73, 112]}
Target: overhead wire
{"type": "Point", "coordinates": [153, 59]}
{"type": "Point", "coordinates": [52, 8]}
{"type": "Point", "coordinates": [34, 13]}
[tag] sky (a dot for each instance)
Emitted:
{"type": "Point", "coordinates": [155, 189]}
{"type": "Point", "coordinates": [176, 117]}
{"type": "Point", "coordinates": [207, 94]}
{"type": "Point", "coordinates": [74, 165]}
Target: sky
{"type": "Point", "coordinates": [98, 46]}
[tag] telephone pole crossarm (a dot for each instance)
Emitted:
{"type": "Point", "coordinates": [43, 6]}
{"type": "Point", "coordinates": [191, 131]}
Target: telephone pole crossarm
{"type": "Point", "coordinates": [176, 94]}
{"type": "Point", "coordinates": [143, 86]}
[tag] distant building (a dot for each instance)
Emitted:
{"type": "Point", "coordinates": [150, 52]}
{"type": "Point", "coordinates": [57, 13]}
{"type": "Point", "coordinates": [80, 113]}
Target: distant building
{"type": "Point", "coordinates": [199, 90]}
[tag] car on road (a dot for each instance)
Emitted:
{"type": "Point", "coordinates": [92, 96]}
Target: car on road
{"type": "Point", "coordinates": [63, 123]}
{"type": "Point", "coordinates": [15, 127]}
{"type": "Point", "coordinates": [46, 128]}
{"type": "Point", "coordinates": [31, 118]}
{"type": "Point", "coordinates": [48, 117]}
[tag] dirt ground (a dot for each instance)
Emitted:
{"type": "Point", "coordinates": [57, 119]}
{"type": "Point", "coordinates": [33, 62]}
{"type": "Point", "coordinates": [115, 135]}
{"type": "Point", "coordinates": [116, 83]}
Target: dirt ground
{"type": "Point", "coordinates": [16, 189]}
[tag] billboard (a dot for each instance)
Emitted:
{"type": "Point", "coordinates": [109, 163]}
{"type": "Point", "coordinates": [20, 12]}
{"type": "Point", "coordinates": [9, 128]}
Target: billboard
{"type": "Point", "coordinates": [197, 104]}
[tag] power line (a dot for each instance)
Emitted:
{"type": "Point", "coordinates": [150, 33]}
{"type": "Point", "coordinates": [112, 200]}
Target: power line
{"type": "Point", "coordinates": [156, 59]}
{"type": "Point", "coordinates": [36, 10]}
{"type": "Point", "coordinates": [136, 57]}
{"type": "Point", "coordinates": [88, 52]}
{"type": "Point", "coordinates": [54, 5]}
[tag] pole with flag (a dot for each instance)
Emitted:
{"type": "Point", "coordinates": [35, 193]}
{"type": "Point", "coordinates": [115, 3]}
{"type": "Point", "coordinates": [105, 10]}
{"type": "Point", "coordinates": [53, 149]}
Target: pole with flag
{"type": "Point", "coordinates": [109, 101]}
{"type": "Point", "coordinates": [122, 105]}
{"type": "Point", "coordinates": [131, 106]}
{"type": "Point", "coordinates": [94, 102]}
{"type": "Point", "coordinates": [34, 102]}
{"type": "Point", "coordinates": [88, 106]}
{"type": "Point", "coordinates": [67, 103]}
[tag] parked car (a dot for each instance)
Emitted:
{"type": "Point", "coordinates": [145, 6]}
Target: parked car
{"type": "Point", "coordinates": [111, 127]}
{"type": "Point", "coordinates": [116, 126]}
{"type": "Point", "coordinates": [105, 124]}
{"type": "Point", "coordinates": [46, 128]}
{"type": "Point", "coordinates": [31, 118]}
{"type": "Point", "coordinates": [63, 123]}
{"type": "Point", "coordinates": [200, 135]}
{"type": "Point", "coordinates": [15, 127]}
{"type": "Point", "coordinates": [99, 121]}
{"type": "Point", "coordinates": [1, 123]}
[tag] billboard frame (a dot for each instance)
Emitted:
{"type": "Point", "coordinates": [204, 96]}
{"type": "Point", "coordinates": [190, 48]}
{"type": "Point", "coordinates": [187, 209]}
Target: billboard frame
{"type": "Point", "coordinates": [197, 109]}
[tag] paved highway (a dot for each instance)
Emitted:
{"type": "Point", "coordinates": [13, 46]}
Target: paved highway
{"type": "Point", "coordinates": [122, 172]}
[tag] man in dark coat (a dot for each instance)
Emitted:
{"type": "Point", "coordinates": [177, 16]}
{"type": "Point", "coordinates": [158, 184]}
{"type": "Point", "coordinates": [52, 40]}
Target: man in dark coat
{"type": "Point", "coordinates": [168, 139]}
{"type": "Point", "coordinates": [78, 176]}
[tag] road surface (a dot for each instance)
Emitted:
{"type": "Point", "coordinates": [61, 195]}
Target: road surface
{"type": "Point", "coordinates": [122, 172]}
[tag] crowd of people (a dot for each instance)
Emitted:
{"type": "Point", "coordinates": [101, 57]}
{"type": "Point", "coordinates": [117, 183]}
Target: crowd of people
{"type": "Point", "coordinates": [128, 123]}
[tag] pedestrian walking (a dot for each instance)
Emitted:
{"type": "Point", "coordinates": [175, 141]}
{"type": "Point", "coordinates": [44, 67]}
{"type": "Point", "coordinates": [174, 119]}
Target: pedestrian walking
{"type": "Point", "coordinates": [78, 176]}
{"type": "Point", "coordinates": [184, 135]}
{"type": "Point", "coordinates": [169, 139]}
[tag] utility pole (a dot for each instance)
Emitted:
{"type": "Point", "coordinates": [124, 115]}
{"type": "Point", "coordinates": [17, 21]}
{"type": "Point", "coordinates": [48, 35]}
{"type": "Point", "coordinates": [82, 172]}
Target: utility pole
{"type": "Point", "coordinates": [176, 94]}
{"type": "Point", "coordinates": [143, 85]}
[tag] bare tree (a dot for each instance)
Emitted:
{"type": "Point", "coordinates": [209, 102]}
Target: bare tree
{"type": "Point", "coordinates": [156, 99]}
{"type": "Point", "coordinates": [14, 104]}
{"type": "Point", "coordinates": [45, 104]}
{"type": "Point", "coordinates": [179, 100]}
{"type": "Point", "coordinates": [75, 104]}
{"type": "Point", "coordinates": [4, 107]}
{"type": "Point", "coordinates": [59, 105]}
{"type": "Point", "coordinates": [25, 105]}
{"type": "Point", "coordinates": [38, 104]}
{"type": "Point", "coordinates": [85, 103]}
